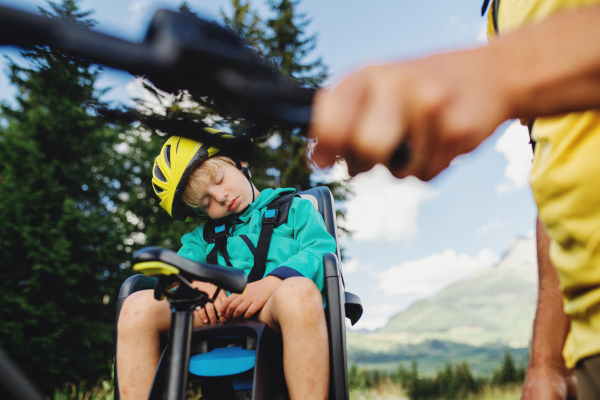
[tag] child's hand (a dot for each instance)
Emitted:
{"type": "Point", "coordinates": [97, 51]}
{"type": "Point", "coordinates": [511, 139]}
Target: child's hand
{"type": "Point", "coordinates": [252, 300]}
{"type": "Point", "coordinates": [211, 311]}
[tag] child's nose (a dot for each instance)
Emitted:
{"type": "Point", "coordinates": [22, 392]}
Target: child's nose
{"type": "Point", "coordinates": [220, 196]}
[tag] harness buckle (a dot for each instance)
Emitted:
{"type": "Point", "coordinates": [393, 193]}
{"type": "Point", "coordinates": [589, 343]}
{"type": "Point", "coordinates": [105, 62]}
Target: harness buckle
{"type": "Point", "coordinates": [220, 230]}
{"type": "Point", "coordinates": [270, 216]}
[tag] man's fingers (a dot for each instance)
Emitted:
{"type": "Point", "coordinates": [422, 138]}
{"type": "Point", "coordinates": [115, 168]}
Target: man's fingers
{"type": "Point", "coordinates": [333, 118]}
{"type": "Point", "coordinates": [379, 127]}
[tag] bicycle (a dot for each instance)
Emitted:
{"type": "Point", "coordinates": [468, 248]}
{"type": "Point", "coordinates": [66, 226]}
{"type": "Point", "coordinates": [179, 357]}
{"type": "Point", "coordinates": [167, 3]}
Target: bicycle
{"type": "Point", "coordinates": [240, 84]}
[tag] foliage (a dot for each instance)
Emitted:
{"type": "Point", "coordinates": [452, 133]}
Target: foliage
{"type": "Point", "coordinates": [365, 385]}
{"type": "Point", "coordinates": [76, 199]}
{"type": "Point", "coordinates": [64, 230]}
{"type": "Point", "coordinates": [508, 373]}
{"type": "Point", "coordinates": [452, 382]}
{"type": "Point", "coordinates": [281, 156]}
{"type": "Point", "coordinates": [277, 159]}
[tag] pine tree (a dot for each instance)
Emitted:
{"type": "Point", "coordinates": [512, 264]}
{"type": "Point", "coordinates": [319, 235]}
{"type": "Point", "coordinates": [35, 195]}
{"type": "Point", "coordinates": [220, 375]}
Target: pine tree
{"type": "Point", "coordinates": [65, 237]}
{"type": "Point", "coordinates": [507, 373]}
{"type": "Point", "coordinates": [282, 156]}
{"type": "Point", "coordinates": [279, 157]}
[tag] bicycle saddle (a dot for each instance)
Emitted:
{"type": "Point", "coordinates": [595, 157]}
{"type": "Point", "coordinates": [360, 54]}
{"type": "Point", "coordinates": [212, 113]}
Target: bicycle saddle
{"type": "Point", "coordinates": [157, 261]}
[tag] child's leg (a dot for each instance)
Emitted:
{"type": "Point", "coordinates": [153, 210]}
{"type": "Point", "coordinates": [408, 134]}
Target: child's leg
{"type": "Point", "coordinates": [141, 320]}
{"type": "Point", "coordinates": [296, 310]}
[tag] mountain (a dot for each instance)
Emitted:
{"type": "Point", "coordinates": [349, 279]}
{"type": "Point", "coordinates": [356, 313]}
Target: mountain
{"type": "Point", "coordinates": [493, 305]}
{"type": "Point", "coordinates": [490, 310]}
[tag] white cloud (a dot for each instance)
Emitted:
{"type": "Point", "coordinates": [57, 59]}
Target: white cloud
{"type": "Point", "coordinates": [452, 20]}
{"type": "Point", "coordinates": [426, 276]}
{"type": "Point", "coordinates": [135, 90]}
{"type": "Point", "coordinates": [482, 34]}
{"type": "Point", "coordinates": [489, 225]}
{"type": "Point", "coordinates": [374, 317]}
{"type": "Point", "coordinates": [384, 207]}
{"type": "Point", "coordinates": [140, 10]}
{"type": "Point", "coordinates": [351, 266]}
{"type": "Point", "coordinates": [514, 144]}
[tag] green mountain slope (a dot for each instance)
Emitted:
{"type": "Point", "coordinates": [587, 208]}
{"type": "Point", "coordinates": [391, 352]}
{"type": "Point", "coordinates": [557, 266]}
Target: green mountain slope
{"type": "Point", "coordinates": [494, 305]}
{"type": "Point", "coordinates": [475, 320]}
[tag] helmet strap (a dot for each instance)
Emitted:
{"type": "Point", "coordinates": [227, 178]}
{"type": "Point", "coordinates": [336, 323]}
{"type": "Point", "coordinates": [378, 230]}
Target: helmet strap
{"type": "Point", "coordinates": [247, 174]}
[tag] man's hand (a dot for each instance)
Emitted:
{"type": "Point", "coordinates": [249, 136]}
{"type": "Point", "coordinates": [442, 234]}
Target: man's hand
{"type": "Point", "coordinates": [549, 384]}
{"type": "Point", "coordinates": [447, 104]}
{"type": "Point", "coordinates": [252, 300]}
{"type": "Point", "coordinates": [439, 105]}
{"type": "Point", "coordinates": [211, 312]}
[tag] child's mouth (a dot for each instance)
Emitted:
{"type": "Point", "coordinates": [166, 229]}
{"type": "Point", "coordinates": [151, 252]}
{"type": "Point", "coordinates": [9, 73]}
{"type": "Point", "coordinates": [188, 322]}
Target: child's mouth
{"type": "Point", "coordinates": [233, 204]}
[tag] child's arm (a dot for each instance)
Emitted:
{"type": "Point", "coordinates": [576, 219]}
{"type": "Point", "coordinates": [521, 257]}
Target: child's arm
{"type": "Point", "coordinates": [251, 301]}
{"type": "Point", "coordinates": [314, 241]}
{"type": "Point", "coordinates": [308, 229]}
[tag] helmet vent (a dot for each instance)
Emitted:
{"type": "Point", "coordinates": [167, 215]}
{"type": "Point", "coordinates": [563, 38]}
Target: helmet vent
{"type": "Point", "coordinates": [167, 154]}
{"type": "Point", "coordinates": [157, 189]}
{"type": "Point", "coordinates": [158, 173]}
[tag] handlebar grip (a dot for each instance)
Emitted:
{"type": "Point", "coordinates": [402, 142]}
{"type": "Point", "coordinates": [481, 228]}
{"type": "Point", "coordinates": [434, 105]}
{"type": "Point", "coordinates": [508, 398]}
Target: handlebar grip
{"type": "Point", "coordinates": [230, 279]}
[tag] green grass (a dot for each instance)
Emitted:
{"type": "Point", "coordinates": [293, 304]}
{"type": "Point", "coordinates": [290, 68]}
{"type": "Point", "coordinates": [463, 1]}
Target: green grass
{"type": "Point", "coordinates": [385, 391]}
{"type": "Point", "coordinates": [389, 391]}
{"type": "Point", "coordinates": [104, 390]}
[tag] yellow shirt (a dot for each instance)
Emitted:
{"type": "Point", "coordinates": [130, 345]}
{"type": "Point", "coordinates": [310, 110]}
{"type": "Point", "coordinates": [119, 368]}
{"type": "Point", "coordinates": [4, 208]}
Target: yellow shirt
{"type": "Point", "coordinates": [565, 180]}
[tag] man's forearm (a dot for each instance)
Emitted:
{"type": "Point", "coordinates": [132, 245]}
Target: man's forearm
{"type": "Point", "coordinates": [551, 325]}
{"type": "Point", "coordinates": [551, 67]}
{"type": "Point", "coordinates": [547, 376]}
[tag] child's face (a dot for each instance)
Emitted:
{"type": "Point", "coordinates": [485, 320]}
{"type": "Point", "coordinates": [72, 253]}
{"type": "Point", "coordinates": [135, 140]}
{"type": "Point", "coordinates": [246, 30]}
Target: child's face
{"type": "Point", "coordinates": [228, 192]}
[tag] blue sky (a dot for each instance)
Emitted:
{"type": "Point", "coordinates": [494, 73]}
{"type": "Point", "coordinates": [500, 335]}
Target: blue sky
{"type": "Point", "coordinates": [411, 238]}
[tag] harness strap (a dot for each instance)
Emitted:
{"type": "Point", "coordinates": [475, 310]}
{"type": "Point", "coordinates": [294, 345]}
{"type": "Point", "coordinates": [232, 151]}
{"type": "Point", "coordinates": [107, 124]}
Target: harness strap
{"type": "Point", "coordinates": [217, 232]}
{"type": "Point", "coordinates": [220, 240]}
{"type": "Point", "coordinates": [273, 217]}
{"type": "Point", "coordinates": [264, 242]}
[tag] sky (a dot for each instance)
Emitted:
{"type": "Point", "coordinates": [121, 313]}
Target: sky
{"type": "Point", "coordinates": [410, 238]}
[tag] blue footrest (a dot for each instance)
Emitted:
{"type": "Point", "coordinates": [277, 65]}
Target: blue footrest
{"type": "Point", "coordinates": [222, 361]}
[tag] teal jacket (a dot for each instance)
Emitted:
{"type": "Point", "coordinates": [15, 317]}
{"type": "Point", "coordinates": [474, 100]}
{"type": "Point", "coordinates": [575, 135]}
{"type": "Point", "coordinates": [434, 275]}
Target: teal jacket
{"type": "Point", "coordinates": [297, 246]}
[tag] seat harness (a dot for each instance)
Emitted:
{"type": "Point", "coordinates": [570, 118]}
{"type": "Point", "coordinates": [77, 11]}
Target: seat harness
{"type": "Point", "coordinates": [218, 231]}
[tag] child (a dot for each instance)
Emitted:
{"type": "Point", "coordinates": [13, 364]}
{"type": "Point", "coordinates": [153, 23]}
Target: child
{"type": "Point", "coordinates": [192, 178]}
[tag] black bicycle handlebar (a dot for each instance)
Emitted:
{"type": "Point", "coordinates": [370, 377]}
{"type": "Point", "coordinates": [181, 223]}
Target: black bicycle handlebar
{"type": "Point", "coordinates": [182, 51]}
{"type": "Point", "coordinates": [179, 51]}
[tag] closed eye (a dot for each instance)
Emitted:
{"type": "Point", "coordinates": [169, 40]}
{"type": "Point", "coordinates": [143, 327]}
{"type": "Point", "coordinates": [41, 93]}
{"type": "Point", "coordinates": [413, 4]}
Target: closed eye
{"type": "Point", "coordinates": [219, 177]}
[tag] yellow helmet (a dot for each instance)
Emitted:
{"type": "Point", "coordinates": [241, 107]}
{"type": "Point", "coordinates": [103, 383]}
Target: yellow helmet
{"type": "Point", "coordinates": [178, 158]}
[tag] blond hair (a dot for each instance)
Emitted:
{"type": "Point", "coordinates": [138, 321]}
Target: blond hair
{"type": "Point", "coordinates": [201, 178]}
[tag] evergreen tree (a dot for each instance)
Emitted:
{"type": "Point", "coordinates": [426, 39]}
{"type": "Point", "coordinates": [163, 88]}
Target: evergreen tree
{"type": "Point", "coordinates": [279, 158]}
{"type": "Point", "coordinates": [247, 24]}
{"type": "Point", "coordinates": [507, 373]}
{"type": "Point", "coordinates": [64, 234]}
{"type": "Point", "coordinates": [282, 156]}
